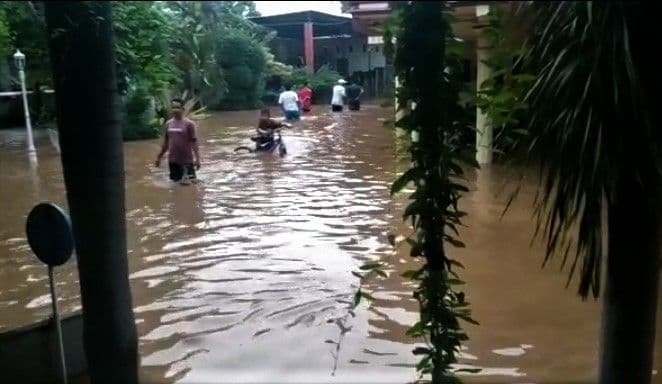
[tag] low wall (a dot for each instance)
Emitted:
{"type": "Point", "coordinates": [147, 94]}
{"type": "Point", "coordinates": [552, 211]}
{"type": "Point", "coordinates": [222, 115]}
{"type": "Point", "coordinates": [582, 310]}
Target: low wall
{"type": "Point", "coordinates": [11, 107]}
{"type": "Point", "coordinates": [29, 355]}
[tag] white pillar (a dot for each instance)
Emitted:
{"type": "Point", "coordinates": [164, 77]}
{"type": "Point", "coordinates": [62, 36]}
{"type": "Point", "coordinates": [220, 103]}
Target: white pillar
{"type": "Point", "coordinates": [483, 129]}
{"type": "Point", "coordinates": [399, 132]}
{"type": "Point", "coordinates": [395, 92]}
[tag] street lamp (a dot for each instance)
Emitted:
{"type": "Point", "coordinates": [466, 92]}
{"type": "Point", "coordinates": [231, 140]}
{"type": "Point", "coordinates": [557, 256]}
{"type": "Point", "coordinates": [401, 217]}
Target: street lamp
{"type": "Point", "coordinates": [19, 60]}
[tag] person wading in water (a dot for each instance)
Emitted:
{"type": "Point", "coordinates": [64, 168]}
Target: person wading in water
{"type": "Point", "coordinates": [338, 96]}
{"type": "Point", "coordinates": [181, 143]}
{"type": "Point", "coordinates": [305, 97]}
{"type": "Point", "coordinates": [290, 103]}
{"type": "Point", "coordinates": [354, 92]}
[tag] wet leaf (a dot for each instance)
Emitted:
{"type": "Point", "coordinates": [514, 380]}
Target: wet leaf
{"type": "Point", "coordinates": [367, 296]}
{"type": "Point", "coordinates": [421, 351]}
{"type": "Point", "coordinates": [391, 239]}
{"type": "Point", "coordinates": [357, 297]}
{"type": "Point", "coordinates": [455, 242]}
{"type": "Point", "coordinates": [381, 273]}
{"type": "Point", "coordinates": [468, 370]}
{"type": "Point", "coordinates": [468, 319]}
{"type": "Point", "coordinates": [370, 266]}
{"type": "Point", "coordinates": [407, 177]}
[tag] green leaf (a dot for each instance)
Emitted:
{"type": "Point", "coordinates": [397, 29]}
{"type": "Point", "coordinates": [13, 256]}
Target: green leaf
{"type": "Point", "coordinates": [468, 370]}
{"type": "Point", "coordinates": [468, 319]}
{"type": "Point", "coordinates": [456, 263]}
{"type": "Point", "coordinates": [370, 266]}
{"type": "Point", "coordinates": [416, 250]}
{"type": "Point", "coordinates": [421, 351]}
{"type": "Point", "coordinates": [380, 273]}
{"type": "Point", "coordinates": [357, 297]}
{"type": "Point", "coordinates": [455, 242]}
{"type": "Point", "coordinates": [411, 274]}
{"type": "Point", "coordinates": [407, 177]}
{"type": "Point", "coordinates": [367, 296]}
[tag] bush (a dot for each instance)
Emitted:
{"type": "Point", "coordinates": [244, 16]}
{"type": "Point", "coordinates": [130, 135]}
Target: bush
{"type": "Point", "coordinates": [139, 117]}
{"type": "Point", "coordinates": [244, 64]}
{"type": "Point", "coordinates": [321, 82]}
{"type": "Point", "coordinates": [5, 38]}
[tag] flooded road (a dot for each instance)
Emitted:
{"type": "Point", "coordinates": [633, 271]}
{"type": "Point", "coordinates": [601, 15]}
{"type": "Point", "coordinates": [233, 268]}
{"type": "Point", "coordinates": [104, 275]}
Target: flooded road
{"type": "Point", "coordinates": [246, 276]}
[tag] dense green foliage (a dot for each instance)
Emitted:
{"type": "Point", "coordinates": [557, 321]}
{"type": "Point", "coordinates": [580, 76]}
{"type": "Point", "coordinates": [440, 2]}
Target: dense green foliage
{"type": "Point", "coordinates": [25, 21]}
{"type": "Point", "coordinates": [501, 96]}
{"type": "Point", "coordinates": [142, 33]}
{"type": "Point", "coordinates": [5, 37]}
{"type": "Point", "coordinates": [209, 49]}
{"type": "Point", "coordinates": [139, 115]}
{"type": "Point", "coordinates": [244, 64]}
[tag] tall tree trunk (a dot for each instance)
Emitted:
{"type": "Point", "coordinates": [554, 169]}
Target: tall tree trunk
{"type": "Point", "coordinates": [83, 61]}
{"type": "Point", "coordinates": [633, 271]}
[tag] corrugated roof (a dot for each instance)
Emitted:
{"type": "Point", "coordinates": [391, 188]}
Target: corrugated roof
{"type": "Point", "coordinates": [290, 25]}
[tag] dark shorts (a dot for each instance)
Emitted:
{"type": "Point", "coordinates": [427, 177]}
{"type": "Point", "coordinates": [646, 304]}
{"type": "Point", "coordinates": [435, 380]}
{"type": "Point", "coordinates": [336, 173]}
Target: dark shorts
{"type": "Point", "coordinates": [292, 115]}
{"type": "Point", "coordinates": [354, 105]}
{"type": "Point", "coordinates": [336, 108]}
{"type": "Point", "coordinates": [177, 171]}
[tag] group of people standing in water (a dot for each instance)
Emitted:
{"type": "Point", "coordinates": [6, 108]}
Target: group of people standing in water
{"type": "Point", "coordinates": [294, 103]}
{"type": "Point", "coordinates": [181, 140]}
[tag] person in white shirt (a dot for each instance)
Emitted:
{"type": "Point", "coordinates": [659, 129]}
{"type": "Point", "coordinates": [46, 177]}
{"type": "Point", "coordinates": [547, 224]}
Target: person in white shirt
{"type": "Point", "coordinates": [338, 96]}
{"type": "Point", "coordinates": [289, 102]}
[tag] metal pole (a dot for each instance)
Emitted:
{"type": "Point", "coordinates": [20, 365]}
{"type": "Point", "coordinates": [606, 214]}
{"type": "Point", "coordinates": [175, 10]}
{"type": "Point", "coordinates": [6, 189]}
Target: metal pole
{"type": "Point", "coordinates": [28, 124]}
{"type": "Point", "coordinates": [58, 327]}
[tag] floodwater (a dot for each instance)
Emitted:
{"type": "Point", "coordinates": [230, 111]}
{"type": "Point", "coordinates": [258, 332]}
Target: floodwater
{"type": "Point", "coordinates": [246, 276]}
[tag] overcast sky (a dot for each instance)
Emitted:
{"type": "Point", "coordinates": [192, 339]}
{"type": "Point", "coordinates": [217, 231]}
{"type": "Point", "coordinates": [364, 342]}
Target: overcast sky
{"type": "Point", "coordinates": [270, 8]}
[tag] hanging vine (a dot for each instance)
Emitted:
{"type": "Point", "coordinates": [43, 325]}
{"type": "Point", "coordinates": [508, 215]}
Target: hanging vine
{"type": "Point", "coordinates": [428, 62]}
{"type": "Point", "coordinates": [429, 110]}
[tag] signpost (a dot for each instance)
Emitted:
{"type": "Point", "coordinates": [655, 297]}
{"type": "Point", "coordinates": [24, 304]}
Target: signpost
{"type": "Point", "coordinates": [50, 237]}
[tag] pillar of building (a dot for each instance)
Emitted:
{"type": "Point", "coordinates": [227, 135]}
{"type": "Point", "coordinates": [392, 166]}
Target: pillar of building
{"type": "Point", "coordinates": [483, 128]}
{"type": "Point", "coordinates": [308, 46]}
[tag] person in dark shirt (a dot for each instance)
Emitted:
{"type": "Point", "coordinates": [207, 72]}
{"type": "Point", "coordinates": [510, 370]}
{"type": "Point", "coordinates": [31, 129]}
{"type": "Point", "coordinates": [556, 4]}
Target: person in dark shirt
{"type": "Point", "coordinates": [266, 127]}
{"type": "Point", "coordinates": [354, 92]}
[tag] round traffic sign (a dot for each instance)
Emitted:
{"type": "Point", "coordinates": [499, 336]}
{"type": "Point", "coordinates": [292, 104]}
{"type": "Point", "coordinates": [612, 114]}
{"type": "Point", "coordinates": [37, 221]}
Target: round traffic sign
{"type": "Point", "coordinates": [49, 234]}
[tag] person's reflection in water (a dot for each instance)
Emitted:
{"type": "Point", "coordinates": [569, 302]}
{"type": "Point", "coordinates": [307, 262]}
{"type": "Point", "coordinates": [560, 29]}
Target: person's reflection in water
{"type": "Point", "coordinates": [187, 206]}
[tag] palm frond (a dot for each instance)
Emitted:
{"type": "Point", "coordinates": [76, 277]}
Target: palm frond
{"type": "Point", "coordinates": [586, 93]}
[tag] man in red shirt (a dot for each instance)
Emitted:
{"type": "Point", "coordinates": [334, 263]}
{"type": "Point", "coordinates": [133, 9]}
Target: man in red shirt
{"type": "Point", "coordinates": [305, 97]}
{"type": "Point", "coordinates": [181, 143]}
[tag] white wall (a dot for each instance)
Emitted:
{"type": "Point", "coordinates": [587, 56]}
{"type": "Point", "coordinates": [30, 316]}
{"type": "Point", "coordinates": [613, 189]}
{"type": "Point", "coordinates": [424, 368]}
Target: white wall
{"type": "Point", "coordinates": [352, 50]}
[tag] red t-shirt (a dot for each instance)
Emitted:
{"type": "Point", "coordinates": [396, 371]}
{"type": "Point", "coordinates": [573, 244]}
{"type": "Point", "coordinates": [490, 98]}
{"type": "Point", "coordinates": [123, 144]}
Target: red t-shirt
{"type": "Point", "coordinates": [306, 97]}
{"type": "Point", "coordinates": [181, 136]}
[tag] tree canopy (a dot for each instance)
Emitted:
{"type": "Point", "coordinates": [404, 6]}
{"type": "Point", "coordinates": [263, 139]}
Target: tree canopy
{"type": "Point", "coordinates": [164, 48]}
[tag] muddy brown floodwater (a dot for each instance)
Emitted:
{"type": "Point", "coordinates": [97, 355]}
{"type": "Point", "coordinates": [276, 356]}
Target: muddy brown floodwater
{"type": "Point", "coordinates": [246, 277]}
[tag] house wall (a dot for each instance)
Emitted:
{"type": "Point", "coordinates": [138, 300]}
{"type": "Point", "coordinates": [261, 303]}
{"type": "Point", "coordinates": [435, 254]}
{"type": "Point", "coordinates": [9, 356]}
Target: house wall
{"type": "Point", "coordinates": [360, 57]}
{"type": "Point", "coordinates": [351, 57]}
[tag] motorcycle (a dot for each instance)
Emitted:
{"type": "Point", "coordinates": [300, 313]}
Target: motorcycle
{"type": "Point", "coordinates": [271, 144]}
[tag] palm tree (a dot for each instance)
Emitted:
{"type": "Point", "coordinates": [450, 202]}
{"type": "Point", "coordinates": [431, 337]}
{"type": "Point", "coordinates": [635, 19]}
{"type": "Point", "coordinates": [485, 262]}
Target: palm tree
{"type": "Point", "coordinates": [83, 61]}
{"type": "Point", "coordinates": [596, 131]}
